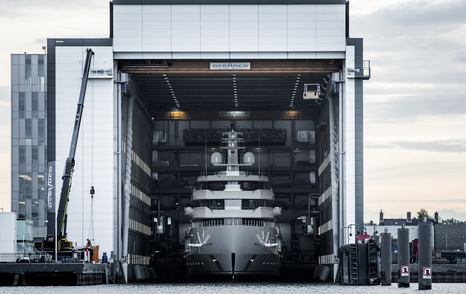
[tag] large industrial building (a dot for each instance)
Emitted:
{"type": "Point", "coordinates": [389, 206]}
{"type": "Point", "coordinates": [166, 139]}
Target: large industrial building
{"type": "Point", "coordinates": [172, 76]}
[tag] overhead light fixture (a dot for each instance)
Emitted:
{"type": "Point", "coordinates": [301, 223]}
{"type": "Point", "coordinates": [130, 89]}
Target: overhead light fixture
{"type": "Point", "coordinates": [292, 114]}
{"type": "Point", "coordinates": [177, 114]}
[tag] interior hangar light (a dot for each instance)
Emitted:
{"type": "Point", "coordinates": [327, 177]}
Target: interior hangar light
{"type": "Point", "coordinates": [177, 114]}
{"type": "Point", "coordinates": [292, 114]}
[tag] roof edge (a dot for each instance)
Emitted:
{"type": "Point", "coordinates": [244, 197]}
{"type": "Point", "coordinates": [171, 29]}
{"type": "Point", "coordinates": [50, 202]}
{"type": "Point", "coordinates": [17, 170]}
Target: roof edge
{"type": "Point", "coordinates": [226, 2]}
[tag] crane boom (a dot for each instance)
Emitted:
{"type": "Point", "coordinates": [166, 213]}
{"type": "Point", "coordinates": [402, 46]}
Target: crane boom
{"type": "Point", "coordinates": [62, 213]}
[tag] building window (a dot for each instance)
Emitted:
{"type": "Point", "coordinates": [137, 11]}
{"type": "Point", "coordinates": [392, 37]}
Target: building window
{"type": "Point", "coordinates": [35, 209]}
{"type": "Point", "coordinates": [22, 104]}
{"type": "Point", "coordinates": [35, 101]}
{"type": "Point", "coordinates": [21, 209]}
{"type": "Point", "coordinates": [41, 185]}
{"type": "Point", "coordinates": [41, 83]}
{"type": "Point", "coordinates": [22, 155]}
{"type": "Point", "coordinates": [41, 67]}
{"type": "Point", "coordinates": [41, 131]}
{"type": "Point", "coordinates": [34, 104]}
{"type": "Point", "coordinates": [25, 187]}
{"type": "Point", "coordinates": [35, 157]}
{"type": "Point", "coordinates": [28, 128]}
{"type": "Point", "coordinates": [28, 74]}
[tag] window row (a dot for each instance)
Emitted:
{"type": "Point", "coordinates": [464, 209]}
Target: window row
{"type": "Point", "coordinates": [29, 129]}
{"type": "Point", "coordinates": [138, 259]}
{"type": "Point", "coordinates": [138, 227]}
{"type": "Point", "coordinates": [140, 195]}
{"type": "Point", "coordinates": [219, 204]}
{"type": "Point", "coordinates": [230, 222]}
{"type": "Point", "coordinates": [140, 163]}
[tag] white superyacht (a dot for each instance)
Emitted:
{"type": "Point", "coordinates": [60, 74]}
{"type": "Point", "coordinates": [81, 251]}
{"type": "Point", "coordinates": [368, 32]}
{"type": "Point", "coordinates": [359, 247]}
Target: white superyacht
{"type": "Point", "coordinates": [233, 229]}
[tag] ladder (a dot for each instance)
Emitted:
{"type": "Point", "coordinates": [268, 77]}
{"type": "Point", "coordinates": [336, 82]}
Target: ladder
{"type": "Point", "coordinates": [373, 272]}
{"type": "Point", "coordinates": [354, 265]}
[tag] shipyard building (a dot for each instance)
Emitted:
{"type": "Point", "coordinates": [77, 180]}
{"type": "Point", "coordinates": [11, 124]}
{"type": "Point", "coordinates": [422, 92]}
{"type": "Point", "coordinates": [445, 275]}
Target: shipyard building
{"type": "Point", "coordinates": [169, 79]}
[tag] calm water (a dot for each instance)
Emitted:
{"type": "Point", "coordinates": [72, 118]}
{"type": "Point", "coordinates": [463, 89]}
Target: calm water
{"type": "Point", "coordinates": [231, 288]}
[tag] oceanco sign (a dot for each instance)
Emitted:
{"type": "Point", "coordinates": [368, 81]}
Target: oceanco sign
{"type": "Point", "coordinates": [230, 65]}
{"type": "Point", "coordinates": [51, 187]}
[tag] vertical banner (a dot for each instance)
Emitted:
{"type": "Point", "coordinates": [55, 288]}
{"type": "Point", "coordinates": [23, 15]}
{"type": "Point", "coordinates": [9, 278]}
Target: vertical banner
{"type": "Point", "coordinates": [51, 198]}
{"type": "Point", "coordinates": [51, 187]}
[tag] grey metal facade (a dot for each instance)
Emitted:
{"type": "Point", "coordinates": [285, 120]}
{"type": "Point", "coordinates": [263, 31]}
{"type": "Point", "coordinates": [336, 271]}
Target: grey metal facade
{"type": "Point", "coordinates": [359, 135]}
{"type": "Point", "coordinates": [29, 139]}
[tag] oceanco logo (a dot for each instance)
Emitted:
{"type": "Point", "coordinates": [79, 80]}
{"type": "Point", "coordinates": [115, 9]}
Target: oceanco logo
{"type": "Point", "coordinates": [230, 66]}
{"type": "Point", "coordinates": [50, 188]}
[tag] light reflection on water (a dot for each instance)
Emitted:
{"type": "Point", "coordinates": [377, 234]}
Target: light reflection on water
{"type": "Point", "coordinates": [232, 288]}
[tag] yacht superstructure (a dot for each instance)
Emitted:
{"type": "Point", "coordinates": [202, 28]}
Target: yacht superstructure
{"type": "Point", "coordinates": [233, 229]}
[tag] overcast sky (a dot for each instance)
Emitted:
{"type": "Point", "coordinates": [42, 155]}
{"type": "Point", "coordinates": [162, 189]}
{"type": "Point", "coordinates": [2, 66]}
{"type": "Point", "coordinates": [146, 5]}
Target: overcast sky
{"type": "Point", "coordinates": [415, 103]}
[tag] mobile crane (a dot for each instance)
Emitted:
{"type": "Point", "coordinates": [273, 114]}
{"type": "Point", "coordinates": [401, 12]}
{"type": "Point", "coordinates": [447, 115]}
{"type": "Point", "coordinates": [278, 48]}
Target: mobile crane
{"type": "Point", "coordinates": [63, 245]}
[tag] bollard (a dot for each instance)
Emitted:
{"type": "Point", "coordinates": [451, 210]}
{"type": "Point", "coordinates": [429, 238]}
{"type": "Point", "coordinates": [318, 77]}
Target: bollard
{"type": "Point", "coordinates": [386, 259]}
{"type": "Point", "coordinates": [403, 258]}
{"type": "Point", "coordinates": [425, 255]}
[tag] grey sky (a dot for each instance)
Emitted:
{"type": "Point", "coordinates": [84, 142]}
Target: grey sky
{"type": "Point", "coordinates": [415, 104]}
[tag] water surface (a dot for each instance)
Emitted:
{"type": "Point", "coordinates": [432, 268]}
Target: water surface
{"type": "Point", "coordinates": [232, 288]}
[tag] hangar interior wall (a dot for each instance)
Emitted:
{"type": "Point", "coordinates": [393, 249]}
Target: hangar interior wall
{"type": "Point", "coordinates": [137, 178]}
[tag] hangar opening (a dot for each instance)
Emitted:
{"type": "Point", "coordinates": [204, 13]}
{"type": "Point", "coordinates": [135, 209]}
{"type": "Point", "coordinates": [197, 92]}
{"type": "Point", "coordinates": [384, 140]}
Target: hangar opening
{"type": "Point", "coordinates": [173, 116]}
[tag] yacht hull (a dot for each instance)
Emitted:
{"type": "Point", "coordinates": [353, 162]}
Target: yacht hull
{"type": "Point", "coordinates": [233, 250]}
